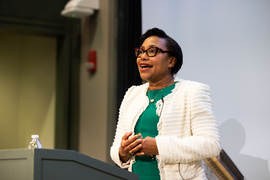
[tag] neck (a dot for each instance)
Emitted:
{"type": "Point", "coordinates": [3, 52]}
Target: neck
{"type": "Point", "coordinates": [161, 84]}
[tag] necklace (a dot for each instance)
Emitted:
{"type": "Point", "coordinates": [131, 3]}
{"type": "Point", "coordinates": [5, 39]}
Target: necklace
{"type": "Point", "coordinates": [153, 100]}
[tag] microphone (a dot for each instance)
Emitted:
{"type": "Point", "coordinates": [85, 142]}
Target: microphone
{"type": "Point", "coordinates": [162, 105]}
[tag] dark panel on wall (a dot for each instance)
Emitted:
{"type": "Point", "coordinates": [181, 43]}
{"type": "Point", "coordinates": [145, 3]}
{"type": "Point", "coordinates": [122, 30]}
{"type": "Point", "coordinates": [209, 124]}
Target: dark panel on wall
{"type": "Point", "coordinates": [67, 87]}
{"type": "Point", "coordinates": [129, 32]}
{"type": "Point", "coordinates": [36, 10]}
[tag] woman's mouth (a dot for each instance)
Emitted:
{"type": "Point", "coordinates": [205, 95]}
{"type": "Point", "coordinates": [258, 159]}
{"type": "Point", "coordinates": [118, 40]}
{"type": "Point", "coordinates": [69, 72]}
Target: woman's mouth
{"type": "Point", "coordinates": [145, 67]}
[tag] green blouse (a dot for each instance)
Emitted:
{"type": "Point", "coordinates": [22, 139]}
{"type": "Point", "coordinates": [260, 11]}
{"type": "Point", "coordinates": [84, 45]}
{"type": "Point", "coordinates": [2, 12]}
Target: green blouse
{"type": "Point", "coordinates": [146, 166]}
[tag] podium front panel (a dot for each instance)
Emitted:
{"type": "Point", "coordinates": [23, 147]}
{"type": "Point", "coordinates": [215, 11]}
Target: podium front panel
{"type": "Point", "coordinates": [69, 165]}
{"type": "Point", "coordinates": [54, 164]}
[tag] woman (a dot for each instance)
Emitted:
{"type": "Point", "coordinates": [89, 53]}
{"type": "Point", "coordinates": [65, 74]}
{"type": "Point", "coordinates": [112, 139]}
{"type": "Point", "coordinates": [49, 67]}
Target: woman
{"type": "Point", "coordinates": [166, 126]}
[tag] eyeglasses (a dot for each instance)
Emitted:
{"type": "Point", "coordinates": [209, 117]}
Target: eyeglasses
{"type": "Point", "coordinates": [151, 52]}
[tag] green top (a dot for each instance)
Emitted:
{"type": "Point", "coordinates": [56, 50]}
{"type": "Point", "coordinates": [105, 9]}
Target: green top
{"type": "Point", "coordinates": [146, 166]}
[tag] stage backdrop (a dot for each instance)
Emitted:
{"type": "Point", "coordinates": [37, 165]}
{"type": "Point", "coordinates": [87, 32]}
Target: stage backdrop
{"type": "Point", "coordinates": [226, 44]}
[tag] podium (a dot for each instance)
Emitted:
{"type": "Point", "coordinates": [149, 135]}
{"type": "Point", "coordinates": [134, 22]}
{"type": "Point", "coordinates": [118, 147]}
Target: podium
{"type": "Point", "coordinates": [221, 168]}
{"type": "Point", "coordinates": [52, 164]}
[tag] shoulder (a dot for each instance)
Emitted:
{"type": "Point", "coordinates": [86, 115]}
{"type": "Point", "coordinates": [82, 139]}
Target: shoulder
{"type": "Point", "coordinates": [136, 90]}
{"type": "Point", "coordinates": [190, 85]}
{"type": "Point", "coordinates": [133, 94]}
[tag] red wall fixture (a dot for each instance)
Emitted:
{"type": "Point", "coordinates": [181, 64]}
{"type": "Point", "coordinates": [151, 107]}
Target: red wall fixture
{"type": "Point", "coordinates": [92, 61]}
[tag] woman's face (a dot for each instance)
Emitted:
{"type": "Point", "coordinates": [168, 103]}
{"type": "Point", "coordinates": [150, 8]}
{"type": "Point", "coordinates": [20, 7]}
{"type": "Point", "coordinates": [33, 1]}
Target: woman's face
{"type": "Point", "coordinates": [154, 69]}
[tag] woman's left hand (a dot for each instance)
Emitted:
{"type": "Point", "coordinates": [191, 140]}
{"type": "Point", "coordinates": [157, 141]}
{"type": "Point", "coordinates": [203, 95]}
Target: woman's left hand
{"type": "Point", "coordinates": [149, 147]}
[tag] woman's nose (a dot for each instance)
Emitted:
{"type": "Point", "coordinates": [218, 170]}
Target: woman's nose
{"type": "Point", "coordinates": [144, 56]}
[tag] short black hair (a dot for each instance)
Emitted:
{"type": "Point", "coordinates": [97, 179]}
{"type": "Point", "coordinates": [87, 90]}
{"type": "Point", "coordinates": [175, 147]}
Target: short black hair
{"type": "Point", "coordinates": [172, 45]}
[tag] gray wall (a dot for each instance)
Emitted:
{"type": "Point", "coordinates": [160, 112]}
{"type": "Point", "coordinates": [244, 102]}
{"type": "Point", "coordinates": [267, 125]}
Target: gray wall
{"type": "Point", "coordinates": [226, 44]}
{"type": "Point", "coordinates": [97, 94]}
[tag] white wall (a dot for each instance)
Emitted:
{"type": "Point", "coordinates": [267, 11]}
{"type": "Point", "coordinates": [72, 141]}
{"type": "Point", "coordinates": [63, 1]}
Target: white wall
{"type": "Point", "coordinates": [226, 44]}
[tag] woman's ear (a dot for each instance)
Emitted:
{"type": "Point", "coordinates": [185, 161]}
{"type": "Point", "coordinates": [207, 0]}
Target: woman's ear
{"type": "Point", "coordinates": [172, 61]}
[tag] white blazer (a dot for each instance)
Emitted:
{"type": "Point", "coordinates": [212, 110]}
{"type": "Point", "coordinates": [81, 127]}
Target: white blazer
{"type": "Point", "coordinates": [188, 131]}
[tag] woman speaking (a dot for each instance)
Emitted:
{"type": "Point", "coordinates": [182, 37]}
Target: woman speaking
{"type": "Point", "coordinates": [166, 126]}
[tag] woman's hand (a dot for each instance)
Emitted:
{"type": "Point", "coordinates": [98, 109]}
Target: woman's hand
{"type": "Point", "coordinates": [149, 147]}
{"type": "Point", "coordinates": [129, 146]}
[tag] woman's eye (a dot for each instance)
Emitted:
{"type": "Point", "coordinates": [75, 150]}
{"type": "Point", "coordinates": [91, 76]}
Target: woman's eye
{"type": "Point", "coordinates": [152, 51]}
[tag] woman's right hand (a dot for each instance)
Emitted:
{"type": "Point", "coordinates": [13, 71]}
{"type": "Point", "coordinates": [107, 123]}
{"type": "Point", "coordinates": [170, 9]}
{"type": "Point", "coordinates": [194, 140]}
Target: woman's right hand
{"type": "Point", "coordinates": [129, 146]}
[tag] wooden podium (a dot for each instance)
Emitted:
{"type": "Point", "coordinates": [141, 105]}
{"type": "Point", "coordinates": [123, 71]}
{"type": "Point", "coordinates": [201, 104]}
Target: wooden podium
{"type": "Point", "coordinates": [52, 164]}
{"type": "Point", "coordinates": [221, 168]}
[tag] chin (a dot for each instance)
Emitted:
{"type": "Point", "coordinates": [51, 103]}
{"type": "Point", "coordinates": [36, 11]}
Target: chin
{"type": "Point", "coordinates": [144, 77]}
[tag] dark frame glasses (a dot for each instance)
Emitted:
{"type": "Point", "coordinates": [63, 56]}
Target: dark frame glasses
{"type": "Point", "coordinates": [150, 52]}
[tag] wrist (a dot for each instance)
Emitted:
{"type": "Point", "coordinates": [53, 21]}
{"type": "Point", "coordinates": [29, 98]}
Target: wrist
{"type": "Point", "coordinates": [123, 157]}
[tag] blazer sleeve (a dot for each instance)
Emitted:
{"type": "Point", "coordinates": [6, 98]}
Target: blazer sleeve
{"type": "Point", "coordinates": [204, 140]}
{"type": "Point", "coordinates": [120, 131]}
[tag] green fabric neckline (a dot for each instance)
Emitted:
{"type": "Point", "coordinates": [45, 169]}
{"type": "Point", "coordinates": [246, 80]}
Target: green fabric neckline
{"type": "Point", "coordinates": [146, 166]}
{"type": "Point", "coordinates": [160, 93]}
